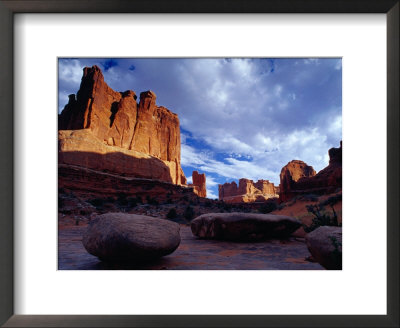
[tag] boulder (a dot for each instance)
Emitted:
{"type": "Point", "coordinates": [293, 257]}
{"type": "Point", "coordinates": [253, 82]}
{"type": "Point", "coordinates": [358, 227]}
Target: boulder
{"type": "Point", "coordinates": [325, 245]}
{"type": "Point", "coordinates": [243, 226]}
{"type": "Point", "coordinates": [120, 237]}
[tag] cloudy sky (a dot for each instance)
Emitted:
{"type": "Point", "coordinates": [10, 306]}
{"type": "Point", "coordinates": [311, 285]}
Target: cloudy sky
{"type": "Point", "coordinates": [240, 118]}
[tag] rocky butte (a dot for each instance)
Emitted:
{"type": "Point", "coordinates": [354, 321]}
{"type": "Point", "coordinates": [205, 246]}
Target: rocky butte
{"type": "Point", "coordinates": [199, 184]}
{"type": "Point", "coordinates": [247, 192]}
{"type": "Point", "coordinates": [105, 135]}
{"type": "Point", "coordinates": [135, 139]}
{"type": "Point", "coordinates": [298, 178]}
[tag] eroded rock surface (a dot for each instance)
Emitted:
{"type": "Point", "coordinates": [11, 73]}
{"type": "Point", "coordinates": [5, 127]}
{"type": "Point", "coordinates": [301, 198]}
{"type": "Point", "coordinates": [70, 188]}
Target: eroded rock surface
{"type": "Point", "coordinates": [120, 237]}
{"type": "Point", "coordinates": [325, 245]}
{"type": "Point", "coordinates": [243, 226]}
{"type": "Point", "coordinates": [247, 191]}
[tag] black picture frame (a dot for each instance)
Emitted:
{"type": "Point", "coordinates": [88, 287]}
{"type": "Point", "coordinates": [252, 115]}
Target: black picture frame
{"type": "Point", "coordinates": [10, 7]}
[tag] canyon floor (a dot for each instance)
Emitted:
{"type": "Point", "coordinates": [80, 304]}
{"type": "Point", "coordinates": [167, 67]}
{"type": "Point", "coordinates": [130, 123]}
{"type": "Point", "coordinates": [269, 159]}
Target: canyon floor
{"type": "Point", "coordinates": [193, 254]}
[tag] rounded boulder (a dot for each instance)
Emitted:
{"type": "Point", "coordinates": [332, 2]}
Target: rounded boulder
{"type": "Point", "coordinates": [120, 237]}
{"type": "Point", "coordinates": [325, 245]}
{"type": "Point", "coordinates": [243, 226]}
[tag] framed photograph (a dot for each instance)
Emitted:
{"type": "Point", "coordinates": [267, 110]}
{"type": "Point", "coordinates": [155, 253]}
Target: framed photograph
{"type": "Point", "coordinates": [221, 126]}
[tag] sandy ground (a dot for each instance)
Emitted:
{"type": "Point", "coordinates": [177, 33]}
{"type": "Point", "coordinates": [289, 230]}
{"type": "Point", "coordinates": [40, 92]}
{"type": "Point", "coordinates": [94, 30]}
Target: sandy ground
{"type": "Point", "coordinates": [298, 210]}
{"type": "Point", "coordinates": [194, 254]}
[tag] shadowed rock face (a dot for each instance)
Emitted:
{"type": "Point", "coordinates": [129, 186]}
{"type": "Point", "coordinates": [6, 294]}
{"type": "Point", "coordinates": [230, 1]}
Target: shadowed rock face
{"type": "Point", "coordinates": [88, 184]}
{"type": "Point", "coordinates": [248, 191]}
{"type": "Point", "coordinates": [117, 120]}
{"type": "Point", "coordinates": [298, 178]}
{"type": "Point", "coordinates": [120, 237]}
{"type": "Point", "coordinates": [81, 148]}
{"type": "Point", "coordinates": [199, 184]}
{"type": "Point", "coordinates": [243, 226]}
{"type": "Point", "coordinates": [325, 245]}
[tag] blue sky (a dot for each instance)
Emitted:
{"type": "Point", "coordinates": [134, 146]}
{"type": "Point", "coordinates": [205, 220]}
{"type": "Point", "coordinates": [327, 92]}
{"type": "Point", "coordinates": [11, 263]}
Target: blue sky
{"type": "Point", "coordinates": [240, 117]}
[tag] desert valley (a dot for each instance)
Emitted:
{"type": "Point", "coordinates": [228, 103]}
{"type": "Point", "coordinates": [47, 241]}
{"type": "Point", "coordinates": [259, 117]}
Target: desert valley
{"type": "Point", "coordinates": [124, 201]}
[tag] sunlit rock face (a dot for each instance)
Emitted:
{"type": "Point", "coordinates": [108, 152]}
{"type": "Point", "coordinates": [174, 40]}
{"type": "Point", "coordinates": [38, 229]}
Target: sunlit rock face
{"type": "Point", "coordinates": [290, 174]}
{"type": "Point", "coordinates": [199, 184]}
{"type": "Point", "coordinates": [115, 123]}
{"type": "Point", "coordinates": [298, 178]}
{"type": "Point", "coordinates": [247, 191]}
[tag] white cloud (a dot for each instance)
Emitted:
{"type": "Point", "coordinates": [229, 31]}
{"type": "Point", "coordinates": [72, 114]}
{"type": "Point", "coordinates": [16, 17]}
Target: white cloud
{"type": "Point", "coordinates": [210, 181]}
{"type": "Point", "coordinates": [211, 194]}
{"type": "Point", "coordinates": [310, 61]}
{"type": "Point", "coordinates": [191, 157]}
{"type": "Point", "coordinates": [278, 90]}
{"type": "Point", "coordinates": [70, 71]}
{"type": "Point", "coordinates": [231, 168]}
{"type": "Point", "coordinates": [211, 184]}
{"type": "Point", "coordinates": [62, 99]}
{"type": "Point", "coordinates": [335, 126]}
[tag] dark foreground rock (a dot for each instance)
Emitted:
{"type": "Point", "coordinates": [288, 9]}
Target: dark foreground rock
{"type": "Point", "coordinates": [325, 245]}
{"type": "Point", "coordinates": [243, 226]}
{"type": "Point", "coordinates": [120, 237]}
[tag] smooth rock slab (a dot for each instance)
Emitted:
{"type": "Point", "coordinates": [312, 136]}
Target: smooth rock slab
{"type": "Point", "coordinates": [325, 245]}
{"type": "Point", "coordinates": [120, 237]}
{"type": "Point", "coordinates": [243, 226]}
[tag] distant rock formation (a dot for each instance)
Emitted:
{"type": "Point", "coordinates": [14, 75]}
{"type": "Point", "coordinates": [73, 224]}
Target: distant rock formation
{"type": "Point", "coordinates": [298, 178]}
{"type": "Point", "coordinates": [248, 191]}
{"type": "Point", "coordinates": [290, 174]}
{"type": "Point", "coordinates": [144, 137]}
{"type": "Point", "coordinates": [199, 184]}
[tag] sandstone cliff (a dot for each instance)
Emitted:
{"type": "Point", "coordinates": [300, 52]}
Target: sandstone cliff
{"type": "Point", "coordinates": [247, 191]}
{"type": "Point", "coordinates": [298, 178]}
{"type": "Point", "coordinates": [148, 135]}
{"type": "Point", "coordinates": [199, 184]}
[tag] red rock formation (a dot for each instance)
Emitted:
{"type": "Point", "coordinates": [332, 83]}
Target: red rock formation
{"type": "Point", "coordinates": [199, 184]}
{"type": "Point", "coordinates": [87, 184]}
{"type": "Point", "coordinates": [290, 174]}
{"type": "Point", "coordinates": [325, 181]}
{"type": "Point", "coordinates": [248, 191]}
{"type": "Point", "coordinates": [118, 121]}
